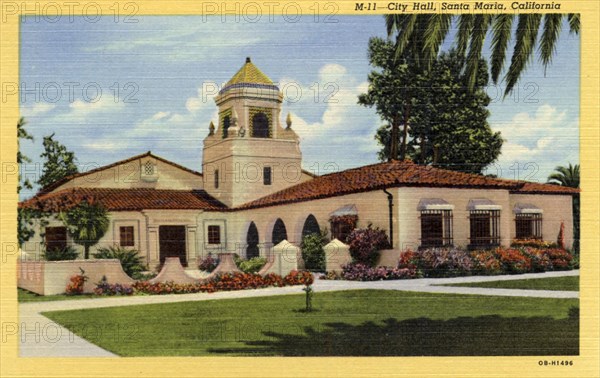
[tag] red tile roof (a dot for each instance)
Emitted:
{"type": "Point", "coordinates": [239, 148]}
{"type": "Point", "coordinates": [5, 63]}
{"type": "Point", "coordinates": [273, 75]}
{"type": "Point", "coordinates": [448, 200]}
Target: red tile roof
{"type": "Point", "coordinates": [537, 188]}
{"type": "Point", "coordinates": [394, 174]}
{"type": "Point", "coordinates": [62, 181]}
{"type": "Point", "coordinates": [125, 199]}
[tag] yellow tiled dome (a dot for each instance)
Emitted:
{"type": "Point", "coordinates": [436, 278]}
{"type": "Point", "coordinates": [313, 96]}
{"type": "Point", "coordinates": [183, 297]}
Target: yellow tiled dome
{"type": "Point", "coordinates": [249, 74]}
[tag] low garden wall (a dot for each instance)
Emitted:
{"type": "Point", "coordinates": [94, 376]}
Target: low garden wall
{"type": "Point", "coordinates": [337, 254]}
{"type": "Point", "coordinates": [52, 277]}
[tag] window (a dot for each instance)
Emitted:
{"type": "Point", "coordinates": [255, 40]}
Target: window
{"type": "Point", "coordinates": [436, 228]}
{"type": "Point", "coordinates": [528, 226]}
{"type": "Point", "coordinates": [226, 124]}
{"type": "Point", "coordinates": [214, 234]}
{"type": "Point", "coordinates": [485, 228]}
{"type": "Point", "coordinates": [56, 238]}
{"type": "Point", "coordinates": [260, 126]}
{"type": "Point", "coordinates": [342, 226]}
{"type": "Point", "coordinates": [216, 179]}
{"type": "Point", "coordinates": [126, 238]}
{"type": "Point", "coordinates": [279, 232]}
{"type": "Point", "coordinates": [267, 175]}
{"type": "Point", "coordinates": [149, 168]}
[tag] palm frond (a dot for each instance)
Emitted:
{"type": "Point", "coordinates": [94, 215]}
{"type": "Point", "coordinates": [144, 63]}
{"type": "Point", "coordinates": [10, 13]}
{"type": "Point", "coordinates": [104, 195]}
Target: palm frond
{"type": "Point", "coordinates": [552, 27]}
{"type": "Point", "coordinates": [405, 29]}
{"type": "Point", "coordinates": [465, 25]}
{"type": "Point", "coordinates": [435, 33]}
{"type": "Point", "coordinates": [526, 37]}
{"type": "Point", "coordinates": [501, 29]}
{"type": "Point", "coordinates": [480, 27]}
{"type": "Point", "coordinates": [574, 22]}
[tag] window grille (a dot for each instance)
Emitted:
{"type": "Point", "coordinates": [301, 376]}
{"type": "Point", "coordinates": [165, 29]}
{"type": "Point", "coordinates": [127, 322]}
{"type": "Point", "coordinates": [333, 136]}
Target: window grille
{"type": "Point", "coordinates": [126, 237]}
{"type": "Point", "coordinates": [485, 228]}
{"type": "Point", "coordinates": [214, 234]}
{"type": "Point", "coordinates": [436, 228]}
{"type": "Point", "coordinates": [528, 226]}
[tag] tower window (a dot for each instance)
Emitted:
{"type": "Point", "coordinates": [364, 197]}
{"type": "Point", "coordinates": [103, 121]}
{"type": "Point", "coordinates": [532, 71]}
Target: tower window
{"type": "Point", "coordinates": [216, 179]}
{"type": "Point", "coordinates": [260, 126]}
{"type": "Point", "coordinates": [267, 179]}
{"type": "Point", "coordinates": [226, 124]}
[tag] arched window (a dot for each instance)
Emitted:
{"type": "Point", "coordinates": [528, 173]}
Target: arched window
{"type": "Point", "coordinates": [279, 232]}
{"type": "Point", "coordinates": [252, 242]}
{"type": "Point", "coordinates": [226, 124]}
{"type": "Point", "coordinates": [311, 226]}
{"type": "Point", "coordinates": [260, 126]}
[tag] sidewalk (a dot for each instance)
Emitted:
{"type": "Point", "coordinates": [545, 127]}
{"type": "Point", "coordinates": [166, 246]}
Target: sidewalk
{"type": "Point", "coordinates": [40, 337]}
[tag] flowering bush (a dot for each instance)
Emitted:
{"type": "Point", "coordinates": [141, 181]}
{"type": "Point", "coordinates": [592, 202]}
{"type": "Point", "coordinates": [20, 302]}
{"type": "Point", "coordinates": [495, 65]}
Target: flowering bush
{"type": "Point", "coordinates": [364, 244]}
{"type": "Point", "coordinates": [104, 288]}
{"type": "Point", "coordinates": [75, 286]}
{"type": "Point", "coordinates": [485, 263]}
{"type": "Point", "coordinates": [298, 277]}
{"type": "Point", "coordinates": [513, 260]}
{"type": "Point", "coordinates": [540, 260]}
{"type": "Point", "coordinates": [363, 272]}
{"type": "Point", "coordinates": [409, 259]}
{"type": "Point", "coordinates": [225, 282]}
{"type": "Point", "coordinates": [560, 258]}
{"type": "Point", "coordinates": [444, 262]}
{"type": "Point", "coordinates": [209, 263]}
{"type": "Point", "coordinates": [331, 275]}
{"type": "Point", "coordinates": [535, 243]}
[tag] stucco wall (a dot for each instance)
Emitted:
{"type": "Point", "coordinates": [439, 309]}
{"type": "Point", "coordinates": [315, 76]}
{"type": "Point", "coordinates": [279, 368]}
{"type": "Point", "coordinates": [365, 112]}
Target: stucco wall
{"type": "Point", "coordinates": [557, 209]}
{"type": "Point", "coordinates": [128, 175]}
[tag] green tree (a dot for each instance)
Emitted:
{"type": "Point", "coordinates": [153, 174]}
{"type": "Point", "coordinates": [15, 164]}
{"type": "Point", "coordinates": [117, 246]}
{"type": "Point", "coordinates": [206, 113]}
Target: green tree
{"type": "Point", "coordinates": [424, 34]}
{"type": "Point", "coordinates": [58, 162]}
{"type": "Point", "coordinates": [391, 87]}
{"type": "Point", "coordinates": [569, 176]}
{"type": "Point", "coordinates": [22, 134]}
{"type": "Point", "coordinates": [86, 223]}
{"type": "Point", "coordinates": [448, 123]}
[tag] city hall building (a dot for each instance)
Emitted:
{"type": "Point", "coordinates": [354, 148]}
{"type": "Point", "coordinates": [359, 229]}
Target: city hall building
{"type": "Point", "coordinates": [251, 193]}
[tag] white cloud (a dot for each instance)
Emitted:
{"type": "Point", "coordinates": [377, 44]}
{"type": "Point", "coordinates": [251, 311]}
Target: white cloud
{"type": "Point", "coordinates": [536, 143]}
{"type": "Point", "coordinates": [37, 109]}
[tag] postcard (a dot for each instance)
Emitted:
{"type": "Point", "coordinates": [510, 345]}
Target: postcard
{"type": "Point", "coordinates": [300, 188]}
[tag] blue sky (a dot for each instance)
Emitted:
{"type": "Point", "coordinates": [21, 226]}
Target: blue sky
{"type": "Point", "coordinates": [163, 67]}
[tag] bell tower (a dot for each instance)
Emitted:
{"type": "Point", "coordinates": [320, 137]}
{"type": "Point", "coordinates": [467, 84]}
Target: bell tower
{"type": "Point", "coordinates": [248, 154]}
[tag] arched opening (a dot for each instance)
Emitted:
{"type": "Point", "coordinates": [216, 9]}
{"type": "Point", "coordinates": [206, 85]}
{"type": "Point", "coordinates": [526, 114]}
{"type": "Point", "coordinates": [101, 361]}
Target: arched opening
{"type": "Point", "coordinates": [252, 242]}
{"type": "Point", "coordinates": [226, 124]}
{"type": "Point", "coordinates": [279, 232]}
{"type": "Point", "coordinates": [260, 126]}
{"type": "Point", "coordinates": [311, 226]}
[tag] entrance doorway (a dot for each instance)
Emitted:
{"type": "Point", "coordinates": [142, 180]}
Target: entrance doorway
{"type": "Point", "coordinates": [172, 243]}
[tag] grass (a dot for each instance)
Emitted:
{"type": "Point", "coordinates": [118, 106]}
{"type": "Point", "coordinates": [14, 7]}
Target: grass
{"type": "Point", "coordinates": [24, 296]}
{"type": "Point", "coordinates": [569, 283]}
{"type": "Point", "coordinates": [345, 323]}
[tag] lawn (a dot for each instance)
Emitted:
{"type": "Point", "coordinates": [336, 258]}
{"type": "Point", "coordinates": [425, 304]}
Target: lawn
{"type": "Point", "coordinates": [24, 296]}
{"type": "Point", "coordinates": [345, 323]}
{"type": "Point", "coordinates": [569, 283]}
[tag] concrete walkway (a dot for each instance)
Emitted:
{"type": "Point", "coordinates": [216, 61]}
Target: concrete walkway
{"type": "Point", "coordinates": [41, 337]}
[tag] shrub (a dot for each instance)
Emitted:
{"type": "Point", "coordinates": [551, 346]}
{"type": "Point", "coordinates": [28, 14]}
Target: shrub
{"type": "Point", "coordinates": [485, 263]}
{"type": "Point", "coordinates": [535, 243]}
{"type": "Point", "coordinates": [131, 261]}
{"type": "Point", "coordinates": [363, 272]}
{"type": "Point", "coordinates": [60, 254]}
{"type": "Point", "coordinates": [560, 258]}
{"type": "Point", "coordinates": [252, 265]}
{"type": "Point", "coordinates": [364, 244]}
{"type": "Point", "coordinates": [444, 262]}
{"type": "Point", "coordinates": [312, 251]}
{"type": "Point", "coordinates": [513, 260]}
{"type": "Point", "coordinates": [104, 288]}
{"type": "Point", "coordinates": [540, 260]}
{"type": "Point", "coordinates": [298, 277]}
{"type": "Point", "coordinates": [331, 275]}
{"type": "Point", "coordinates": [209, 263]}
{"type": "Point", "coordinates": [144, 276]}
{"type": "Point", "coordinates": [75, 286]}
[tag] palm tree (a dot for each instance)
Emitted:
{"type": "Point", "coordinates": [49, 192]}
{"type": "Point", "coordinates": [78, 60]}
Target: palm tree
{"type": "Point", "coordinates": [569, 176]}
{"type": "Point", "coordinates": [422, 36]}
{"type": "Point", "coordinates": [87, 223]}
{"type": "Point", "coordinates": [565, 176]}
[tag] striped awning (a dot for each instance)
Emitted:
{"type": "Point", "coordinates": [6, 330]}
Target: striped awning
{"type": "Point", "coordinates": [345, 210]}
{"type": "Point", "coordinates": [434, 204]}
{"type": "Point", "coordinates": [483, 204]}
{"type": "Point", "coordinates": [527, 208]}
